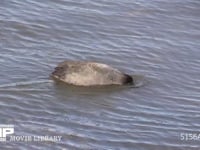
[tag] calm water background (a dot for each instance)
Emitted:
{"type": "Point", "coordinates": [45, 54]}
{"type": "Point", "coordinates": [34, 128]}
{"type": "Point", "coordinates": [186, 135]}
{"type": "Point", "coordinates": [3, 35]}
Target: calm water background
{"type": "Point", "coordinates": [158, 39]}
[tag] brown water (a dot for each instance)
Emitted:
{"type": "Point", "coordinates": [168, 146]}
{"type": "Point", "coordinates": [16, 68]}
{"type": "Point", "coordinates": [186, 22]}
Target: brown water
{"type": "Point", "coordinates": [157, 39]}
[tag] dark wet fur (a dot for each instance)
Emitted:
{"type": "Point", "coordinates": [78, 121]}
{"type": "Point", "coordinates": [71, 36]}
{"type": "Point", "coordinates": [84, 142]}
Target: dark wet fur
{"type": "Point", "coordinates": [59, 72]}
{"type": "Point", "coordinates": [128, 80]}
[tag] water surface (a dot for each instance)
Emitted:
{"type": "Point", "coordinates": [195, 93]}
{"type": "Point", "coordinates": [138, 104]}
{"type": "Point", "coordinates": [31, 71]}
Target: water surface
{"type": "Point", "coordinates": [158, 39]}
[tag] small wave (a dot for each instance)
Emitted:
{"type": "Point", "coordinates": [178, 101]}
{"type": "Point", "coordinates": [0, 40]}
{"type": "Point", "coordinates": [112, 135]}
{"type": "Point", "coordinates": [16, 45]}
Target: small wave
{"type": "Point", "coordinates": [24, 83]}
{"type": "Point", "coordinates": [139, 81]}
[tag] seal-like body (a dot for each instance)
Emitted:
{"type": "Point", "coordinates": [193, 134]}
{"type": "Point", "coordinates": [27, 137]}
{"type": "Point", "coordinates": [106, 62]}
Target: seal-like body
{"type": "Point", "coordinates": [90, 74]}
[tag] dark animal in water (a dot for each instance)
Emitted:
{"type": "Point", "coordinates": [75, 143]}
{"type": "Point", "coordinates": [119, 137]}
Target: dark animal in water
{"type": "Point", "coordinates": [90, 74]}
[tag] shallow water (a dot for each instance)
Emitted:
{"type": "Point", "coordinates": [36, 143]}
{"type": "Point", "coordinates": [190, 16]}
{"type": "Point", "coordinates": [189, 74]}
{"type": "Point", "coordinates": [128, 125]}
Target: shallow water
{"type": "Point", "coordinates": [157, 39]}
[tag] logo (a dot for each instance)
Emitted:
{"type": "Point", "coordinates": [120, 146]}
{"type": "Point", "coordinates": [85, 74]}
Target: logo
{"type": "Point", "coordinates": [5, 130]}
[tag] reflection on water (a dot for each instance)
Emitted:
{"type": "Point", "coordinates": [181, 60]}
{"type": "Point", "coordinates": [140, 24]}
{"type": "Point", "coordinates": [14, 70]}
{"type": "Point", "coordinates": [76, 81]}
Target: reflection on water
{"type": "Point", "coordinates": [157, 41]}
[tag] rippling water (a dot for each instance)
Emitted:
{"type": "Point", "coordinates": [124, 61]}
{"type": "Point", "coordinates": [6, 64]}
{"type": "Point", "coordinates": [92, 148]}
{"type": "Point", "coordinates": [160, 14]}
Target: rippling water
{"type": "Point", "coordinates": [158, 39]}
